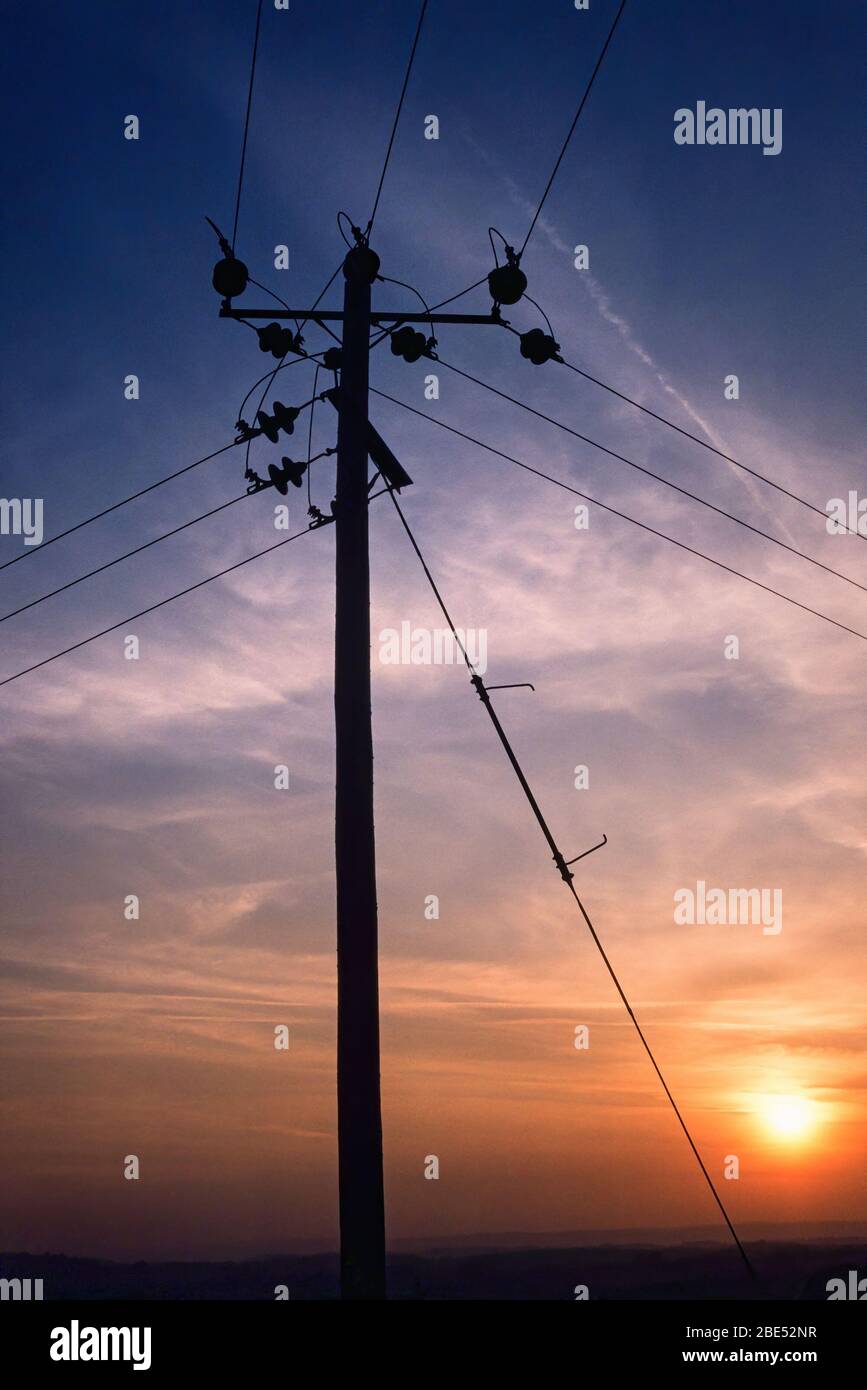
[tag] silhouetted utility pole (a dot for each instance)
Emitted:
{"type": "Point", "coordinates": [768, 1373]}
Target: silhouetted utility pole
{"type": "Point", "coordinates": [359, 1113]}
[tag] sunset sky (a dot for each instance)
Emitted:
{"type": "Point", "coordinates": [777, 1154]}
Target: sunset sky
{"type": "Point", "coordinates": [156, 777]}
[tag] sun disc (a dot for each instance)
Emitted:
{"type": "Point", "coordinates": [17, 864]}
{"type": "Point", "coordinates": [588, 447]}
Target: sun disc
{"type": "Point", "coordinates": [789, 1117]}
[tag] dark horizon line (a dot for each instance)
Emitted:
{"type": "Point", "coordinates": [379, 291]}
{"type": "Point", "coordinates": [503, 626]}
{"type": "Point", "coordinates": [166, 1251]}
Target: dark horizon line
{"type": "Point", "coordinates": [813, 1232]}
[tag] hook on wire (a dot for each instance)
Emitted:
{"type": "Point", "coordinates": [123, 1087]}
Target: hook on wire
{"type": "Point", "coordinates": [603, 841]}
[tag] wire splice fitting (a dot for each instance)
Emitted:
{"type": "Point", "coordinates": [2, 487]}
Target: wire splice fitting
{"type": "Point", "coordinates": [562, 867]}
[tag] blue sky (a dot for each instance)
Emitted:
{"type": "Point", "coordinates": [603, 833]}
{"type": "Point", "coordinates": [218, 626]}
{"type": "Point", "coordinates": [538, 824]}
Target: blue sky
{"type": "Point", "coordinates": [155, 776]}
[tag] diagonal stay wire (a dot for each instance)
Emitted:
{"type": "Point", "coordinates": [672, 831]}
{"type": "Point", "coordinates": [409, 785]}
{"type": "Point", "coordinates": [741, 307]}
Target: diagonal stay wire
{"type": "Point", "coordinates": [606, 507]}
{"type": "Point", "coordinates": [421, 16]}
{"type": "Point", "coordinates": [247, 123]}
{"type": "Point", "coordinates": [657, 477]}
{"type": "Point", "coordinates": [566, 875]}
{"type": "Point", "coordinates": [116, 505]}
{"type": "Point", "coordinates": [663, 420]}
{"type": "Point", "coordinates": [126, 556]}
{"type": "Point", "coordinates": [154, 606]}
{"type": "Point", "coordinates": [581, 104]}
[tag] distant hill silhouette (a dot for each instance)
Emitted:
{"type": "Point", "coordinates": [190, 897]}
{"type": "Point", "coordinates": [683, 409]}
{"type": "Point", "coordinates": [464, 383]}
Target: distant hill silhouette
{"type": "Point", "coordinates": [789, 1269]}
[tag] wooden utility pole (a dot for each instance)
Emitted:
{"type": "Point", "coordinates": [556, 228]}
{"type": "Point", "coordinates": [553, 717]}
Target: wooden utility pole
{"type": "Point", "coordinates": [359, 1116]}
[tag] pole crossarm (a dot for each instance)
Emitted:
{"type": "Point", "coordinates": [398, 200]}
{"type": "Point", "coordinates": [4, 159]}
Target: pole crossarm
{"type": "Point", "coordinates": [376, 316]}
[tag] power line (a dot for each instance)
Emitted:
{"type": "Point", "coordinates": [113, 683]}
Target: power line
{"type": "Point", "coordinates": [541, 311]}
{"type": "Point", "coordinates": [154, 606]}
{"type": "Point", "coordinates": [272, 372]}
{"type": "Point", "coordinates": [304, 356]}
{"type": "Point", "coordinates": [599, 61]}
{"type": "Point", "coordinates": [310, 434]}
{"type": "Point", "coordinates": [459, 295]}
{"type": "Point", "coordinates": [137, 551]}
{"type": "Point", "coordinates": [317, 300]}
{"type": "Point", "coordinates": [115, 506]}
{"type": "Point", "coordinates": [124, 501]}
{"type": "Point", "coordinates": [270, 375]}
{"type": "Point", "coordinates": [566, 875]}
{"type": "Point", "coordinates": [389, 280]}
{"type": "Point", "coordinates": [663, 420]}
{"type": "Point", "coordinates": [206, 458]}
{"type": "Point", "coordinates": [623, 515]}
{"type": "Point", "coordinates": [345, 215]}
{"type": "Point", "coordinates": [274, 295]}
{"type": "Point", "coordinates": [387, 332]}
{"type": "Point", "coordinates": [422, 13]}
{"type": "Point", "coordinates": [246, 123]}
{"type": "Point", "coordinates": [657, 477]}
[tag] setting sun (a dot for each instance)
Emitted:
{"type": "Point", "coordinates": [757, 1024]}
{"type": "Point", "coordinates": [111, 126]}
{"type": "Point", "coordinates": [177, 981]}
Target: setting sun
{"type": "Point", "coordinates": [789, 1117]}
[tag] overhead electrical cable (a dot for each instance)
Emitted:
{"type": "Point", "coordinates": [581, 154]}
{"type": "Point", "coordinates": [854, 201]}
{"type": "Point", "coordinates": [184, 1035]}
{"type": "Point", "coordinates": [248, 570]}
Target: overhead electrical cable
{"type": "Point", "coordinates": [569, 879]}
{"type": "Point", "coordinates": [644, 526]}
{"type": "Point", "coordinates": [657, 477]}
{"type": "Point", "coordinates": [122, 503]}
{"type": "Point", "coordinates": [421, 16]}
{"type": "Point", "coordinates": [154, 606]}
{"type": "Point", "coordinates": [460, 294]}
{"type": "Point", "coordinates": [247, 123]}
{"type": "Point", "coordinates": [571, 131]}
{"type": "Point", "coordinates": [126, 556]}
{"type": "Point", "coordinates": [696, 439]}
